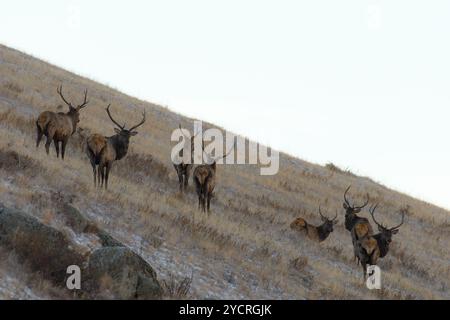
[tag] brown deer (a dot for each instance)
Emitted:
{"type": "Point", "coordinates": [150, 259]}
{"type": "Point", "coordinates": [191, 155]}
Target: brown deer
{"type": "Point", "coordinates": [103, 151]}
{"type": "Point", "coordinates": [58, 127]}
{"type": "Point", "coordinates": [319, 233]}
{"type": "Point", "coordinates": [372, 247]}
{"type": "Point", "coordinates": [184, 169]}
{"type": "Point", "coordinates": [205, 181]}
{"type": "Point", "coordinates": [358, 226]}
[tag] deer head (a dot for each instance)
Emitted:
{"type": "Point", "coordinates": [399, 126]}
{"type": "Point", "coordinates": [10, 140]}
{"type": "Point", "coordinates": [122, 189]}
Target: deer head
{"type": "Point", "coordinates": [74, 112]}
{"type": "Point", "coordinates": [386, 233]}
{"type": "Point", "coordinates": [352, 209]}
{"type": "Point", "coordinates": [328, 224]}
{"type": "Point", "coordinates": [123, 135]}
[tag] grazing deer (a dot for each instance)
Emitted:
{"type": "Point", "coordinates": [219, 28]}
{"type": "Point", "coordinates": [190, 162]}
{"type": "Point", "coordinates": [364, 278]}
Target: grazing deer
{"type": "Point", "coordinates": [319, 233]}
{"type": "Point", "coordinates": [103, 151]}
{"type": "Point", "coordinates": [58, 127]}
{"type": "Point", "coordinates": [205, 181]}
{"type": "Point", "coordinates": [184, 169]}
{"type": "Point", "coordinates": [358, 226]}
{"type": "Point", "coordinates": [373, 247]}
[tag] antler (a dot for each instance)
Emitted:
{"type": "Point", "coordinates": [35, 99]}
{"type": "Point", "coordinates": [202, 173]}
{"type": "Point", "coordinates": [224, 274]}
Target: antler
{"type": "Point", "coordinates": [372, 212]}
{"type": "Point", "coordinates": [335, 217]}
{"type": "Point", "coordinates": [353, 206]}
{"type": "Point", "coordinates": [59, 90]}
{"type": "Point", "coordinates": [140, 123]}
{"type": "Point", "coordinates": [320, 212]}
{"type": "Point", "coordinates": [345, 196]}
{"type": "Point", "coordinates": [365, 204]}
{"type": "Point", "coordinates": [403, 220]}
{"type": "Point", "coordinates": [112, 119]}
{"type": "Point", "coordinates": [226, 155]}
{"type": "Point", "coordinates": [81, 106]}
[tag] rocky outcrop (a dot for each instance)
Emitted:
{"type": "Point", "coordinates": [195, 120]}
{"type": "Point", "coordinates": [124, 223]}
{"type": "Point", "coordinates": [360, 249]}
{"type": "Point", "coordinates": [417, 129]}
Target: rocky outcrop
{"type": "Point", "coordinates": [123, 273]}
{"type": "Point", "coordinates": [47, 250]}
{"type": "Point", "coordinates": [112, 271]}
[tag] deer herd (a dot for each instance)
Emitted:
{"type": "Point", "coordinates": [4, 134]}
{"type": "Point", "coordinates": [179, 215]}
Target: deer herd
{"type": "Point", "coordinates": [102, 151]}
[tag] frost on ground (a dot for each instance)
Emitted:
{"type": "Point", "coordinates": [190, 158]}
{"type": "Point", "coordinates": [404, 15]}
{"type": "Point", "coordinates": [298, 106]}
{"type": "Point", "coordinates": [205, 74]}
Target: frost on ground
{"type": "Point", "coordinates": [245, 248]}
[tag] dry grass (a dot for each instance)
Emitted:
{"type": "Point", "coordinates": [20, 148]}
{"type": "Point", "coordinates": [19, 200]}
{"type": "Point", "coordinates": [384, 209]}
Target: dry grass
{"type": "Point", "coordinates": [245, 249]}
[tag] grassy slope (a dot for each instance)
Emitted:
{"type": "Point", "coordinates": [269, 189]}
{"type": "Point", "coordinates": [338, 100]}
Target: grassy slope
{"type": "Point", "coordinates": [245, 248]}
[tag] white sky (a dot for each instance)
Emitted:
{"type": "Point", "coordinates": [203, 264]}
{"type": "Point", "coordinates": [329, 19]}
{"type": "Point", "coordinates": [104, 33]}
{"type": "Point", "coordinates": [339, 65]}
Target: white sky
{"type": "Point", "coordinates": [364, 84]}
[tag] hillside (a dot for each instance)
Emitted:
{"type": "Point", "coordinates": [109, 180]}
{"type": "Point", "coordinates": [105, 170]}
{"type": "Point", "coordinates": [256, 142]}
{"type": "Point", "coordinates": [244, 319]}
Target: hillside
{"type": "Point", "coordinates": [244, 249]}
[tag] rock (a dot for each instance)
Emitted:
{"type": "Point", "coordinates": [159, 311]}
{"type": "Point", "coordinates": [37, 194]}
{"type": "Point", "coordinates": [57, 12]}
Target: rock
{"type": "Point", "coordinates": [47, 250]}
{"type": "Point", "coordinates": [107, 240]}
{"type": "Point", "coordinates": [78, 221]}
{"type": "Point", "coordinates": [131, 276]}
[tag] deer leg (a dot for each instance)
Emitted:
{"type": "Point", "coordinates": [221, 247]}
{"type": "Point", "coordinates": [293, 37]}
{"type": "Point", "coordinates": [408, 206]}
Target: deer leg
{"type": "Point", "coordinates": [108, 168]}
{"type": "Point", "coordinates": [180, 181]}
{"type": "Point", "coordinates": [56, 143]}
{"type": "Point", "coordinates": [99, 170]}
{"type": "Point", "coordinates": [186, 176]}
{"type": "Point", "coordinates": [102, 174]}
{"type": "Point", "coordinates": [94, 170]}
{"type": "Point", "coordinates": [64, 144]}
{"type": "Point", "coordinates": [49, 141]}
{"type": "Point", "coordinates": [40, 133]}
{"type": "Point", "coordinates": [209, 202]}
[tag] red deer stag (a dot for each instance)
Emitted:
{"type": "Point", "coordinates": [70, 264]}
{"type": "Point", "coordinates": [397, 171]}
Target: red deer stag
{"type": "Point", "coordinates": [58, 127]}
{"type": "Point", "coordinates": [103, 151]}
{"type": "Point", "coordinates": [319, 233]}
{"type": "Point", "coordinates": [184, 169]}
{"type": "Point", "coordinates": [358, 226]}
{"type": "Point", "coordinates": [373, 247]}
{"type": "Point", "coordinates": [205, 181]}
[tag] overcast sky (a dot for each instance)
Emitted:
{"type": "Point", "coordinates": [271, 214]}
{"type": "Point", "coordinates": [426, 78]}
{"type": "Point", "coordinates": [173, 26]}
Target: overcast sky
{"type": "Point", "coordinates": [364, 84]}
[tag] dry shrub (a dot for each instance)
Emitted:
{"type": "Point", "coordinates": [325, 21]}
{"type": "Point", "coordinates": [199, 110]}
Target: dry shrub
{"type": "Point", "coordinates": [12, 162]}
{"type": "Point", "coordinates": [334, 168]}
{"type": "Point", "coordinates": [299, 263]}
{"type": "Point", "coordinates": [13, 89]}
{"type": "Point", "coordinates": [177, 288]}
{"type": "Point", "coordinates": [144, 167]}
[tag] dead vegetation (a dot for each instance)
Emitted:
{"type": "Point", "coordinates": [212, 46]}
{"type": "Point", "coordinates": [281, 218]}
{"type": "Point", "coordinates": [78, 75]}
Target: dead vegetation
{"type": "Point", "coordinates": [245, 248]}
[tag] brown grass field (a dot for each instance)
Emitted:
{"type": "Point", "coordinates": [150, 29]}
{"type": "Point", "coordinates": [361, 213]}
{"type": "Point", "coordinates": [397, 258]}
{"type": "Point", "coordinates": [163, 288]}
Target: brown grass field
{"type": "Point", "coordinates": [245, 248]}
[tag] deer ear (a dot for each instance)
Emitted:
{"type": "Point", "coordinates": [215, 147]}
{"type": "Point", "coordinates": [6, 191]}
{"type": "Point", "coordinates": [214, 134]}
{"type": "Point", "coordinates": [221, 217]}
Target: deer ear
{"type": "Point", "coordinates": [345, 206]}
{"type": "Point", "coordinates": [133, 133]}
{"type": "Point", "coordinates": [357, 210]}
{"type": "Point", "coordinates": [380, 229]}
{"type": "Point", "coordinates": [395, 231]}
{"type": "Point", "coordinates": [116, 130]}
{"type": "Point", "coordinates": [335, 222]}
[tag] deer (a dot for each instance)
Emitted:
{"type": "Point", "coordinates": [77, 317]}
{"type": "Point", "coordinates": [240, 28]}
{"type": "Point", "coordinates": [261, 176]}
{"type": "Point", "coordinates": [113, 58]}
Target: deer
{"type": "Point", "coordinates": [184, 169]}
{"type": "Point", "coordinates": [356, 225]}
{"type": "Point", "coordinates": [205, 181]}
{"type": "Point", "coordinates": [373, 247]}
{"type": "Point", "coordinates": [59, 127]}
{"type": "Point", "coordinates": [103, 151]}
{"type": "Point", "coordinates": [318, 234]}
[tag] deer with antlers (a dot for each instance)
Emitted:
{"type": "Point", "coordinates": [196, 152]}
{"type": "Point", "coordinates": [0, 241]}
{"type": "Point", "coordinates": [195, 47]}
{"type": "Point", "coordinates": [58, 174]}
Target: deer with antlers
{"type": "Point", "coordinates": [184, 169]}
{"type": "Point", "coordinates": [205, 180]}
{"type": "Point", "coordinates": [358, 226]}
{"type": "Point", "coordinates": [103, 151]}
{"type": "Point", "coordinates": [59, 127]}
{"type": "Point", "coordinates": [372, 247]}
{"type": "Point", "coordinates": [319, 233]}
